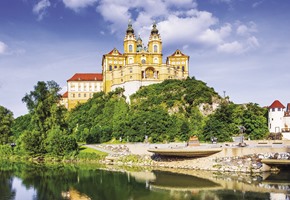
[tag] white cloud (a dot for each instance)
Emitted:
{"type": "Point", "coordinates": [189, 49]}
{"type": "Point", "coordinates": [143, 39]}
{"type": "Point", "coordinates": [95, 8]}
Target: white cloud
{"type": "Point", "coordinates": [76, 5]}
{"type": "Point", "coordinates": [252, 42]}
{"type": "Point", "coordinates": [238, 47]}
{"type": "Point", "coordinates": [118, 15]}
{"type": "Point", "coordinates": [40, 8]}
{"type": "Point", "coordinates": [3, 48]}
{"type": "Point", "coordinates": [246, 30]}
{"type": "Point", "coordinates": [179, 22]}
{"type": "Point", "coordinates": [233, 47]}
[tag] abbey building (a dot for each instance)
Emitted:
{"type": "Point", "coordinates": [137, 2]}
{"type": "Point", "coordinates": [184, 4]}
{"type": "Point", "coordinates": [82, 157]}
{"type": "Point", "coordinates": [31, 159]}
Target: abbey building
{"type": "Point", "coordinates": [139, 65]}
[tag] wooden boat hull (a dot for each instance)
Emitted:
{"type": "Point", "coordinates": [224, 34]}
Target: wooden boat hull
{"type": "Point", "coordinates": [185, 152]}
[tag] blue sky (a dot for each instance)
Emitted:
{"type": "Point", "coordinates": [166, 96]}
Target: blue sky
{"type": "Point", "coordinates": [238, 46]}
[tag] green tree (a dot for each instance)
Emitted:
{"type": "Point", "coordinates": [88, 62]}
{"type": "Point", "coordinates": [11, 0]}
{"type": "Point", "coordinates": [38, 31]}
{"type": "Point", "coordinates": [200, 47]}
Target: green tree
{"type": "Point", "coordinates": [42, 105]}
{"type": "Point", "coordinates": [59, 143]}
{"type": "Point", "coordinates": [196, 121]}
{"type": "Point", "coordinates": [6, 121]}
{"type": "Point", "coordinates": [32, 142]}
{"type": "Point", "coordinates": [46, 115]}
{"type": "Point", "coordinates": [221, 124]}
{"type": "Point", "coordinates": [255, 122]}
{"type": "Point", "coordinates": [21, 124]}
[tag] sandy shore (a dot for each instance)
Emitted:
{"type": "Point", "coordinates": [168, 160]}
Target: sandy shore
{"type": "Point", "coordinates": [231, 158]}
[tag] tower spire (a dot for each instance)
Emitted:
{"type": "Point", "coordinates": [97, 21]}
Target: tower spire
{"type": "Point", "coordinates": [130, 29]}
{"type": "Point", "coordinates": [154, 29]}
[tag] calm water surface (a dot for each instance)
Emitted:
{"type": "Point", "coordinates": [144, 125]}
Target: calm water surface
{"type": "Point", "coordinates": [57, 182]}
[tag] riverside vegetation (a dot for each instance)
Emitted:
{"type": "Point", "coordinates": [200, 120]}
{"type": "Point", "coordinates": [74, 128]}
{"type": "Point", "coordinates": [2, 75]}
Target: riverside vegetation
{"type": "Point", "coordinates": [170, 111]}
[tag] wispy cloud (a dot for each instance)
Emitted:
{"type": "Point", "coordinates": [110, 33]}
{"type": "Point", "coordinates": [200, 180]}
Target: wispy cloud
{"type": "Point", "coordinates": [76, 5]}
{"type": "Point", "coordinates": [3, 48]}
{"type": "Point", "coordinates": [256, 4]}
{"type": "Point", "coordinates": [40, 8]}
{"type": "Point", "coordinates": [246, 30]}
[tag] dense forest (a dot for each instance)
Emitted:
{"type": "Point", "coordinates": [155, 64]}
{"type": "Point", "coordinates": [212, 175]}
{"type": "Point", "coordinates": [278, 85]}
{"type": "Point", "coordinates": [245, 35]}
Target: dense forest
{"type": "Point", "coordinates": [170, 111]}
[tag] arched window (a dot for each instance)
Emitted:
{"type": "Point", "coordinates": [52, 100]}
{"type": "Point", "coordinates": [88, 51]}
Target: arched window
{"type": "Point", "coordinates": [183, 68]}
{"type": "Point", "coordinates": [155, 60]}
{"type": "Point", "coordinates": [155, 48]}
{"type": "Point", "coordinates": [143, 61]}
{"type": "Point", "coordinates": [110, 68]}
{"type": "Point", "coordinates": [130, 48]}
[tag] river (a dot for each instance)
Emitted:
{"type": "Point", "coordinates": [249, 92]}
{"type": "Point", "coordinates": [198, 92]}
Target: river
{"type": "Point", "coordinates": [20, 181]}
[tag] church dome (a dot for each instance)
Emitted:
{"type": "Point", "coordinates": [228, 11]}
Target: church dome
{"type": "Point", "coordinates": [130, 29]}
{"type": "Point", "coordinates": [154, 29]}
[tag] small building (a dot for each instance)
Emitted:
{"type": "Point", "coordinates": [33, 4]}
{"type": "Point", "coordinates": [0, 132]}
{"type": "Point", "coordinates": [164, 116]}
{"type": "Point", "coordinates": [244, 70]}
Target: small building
{"type": "Point", "coordinates": [81, 87]}
{"type": "Point", "coordinates": [279, 119]}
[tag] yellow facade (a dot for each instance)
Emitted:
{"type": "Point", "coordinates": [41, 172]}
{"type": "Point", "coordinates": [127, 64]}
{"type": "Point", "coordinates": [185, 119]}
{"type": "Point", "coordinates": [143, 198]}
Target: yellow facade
{"type": "Point", "coordinates": [141, 65]}
{"type": "Point", "coordinates": [82, 87]}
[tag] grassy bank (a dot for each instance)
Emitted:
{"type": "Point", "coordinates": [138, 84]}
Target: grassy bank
{"type": "Point", "coordinates": [84, 154]}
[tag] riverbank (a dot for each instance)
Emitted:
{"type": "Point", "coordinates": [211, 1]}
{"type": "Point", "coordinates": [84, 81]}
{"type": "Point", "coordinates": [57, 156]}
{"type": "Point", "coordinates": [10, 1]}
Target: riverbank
{"type": "Point", "coordinates": [232, 158]}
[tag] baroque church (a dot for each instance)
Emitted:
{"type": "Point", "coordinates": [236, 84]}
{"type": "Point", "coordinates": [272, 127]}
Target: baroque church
{"type": "Point", "coordinates": [139, 65]}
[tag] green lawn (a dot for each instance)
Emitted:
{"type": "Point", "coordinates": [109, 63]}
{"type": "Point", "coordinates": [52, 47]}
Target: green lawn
{"type": "Point", "coordinates": [84, 149]}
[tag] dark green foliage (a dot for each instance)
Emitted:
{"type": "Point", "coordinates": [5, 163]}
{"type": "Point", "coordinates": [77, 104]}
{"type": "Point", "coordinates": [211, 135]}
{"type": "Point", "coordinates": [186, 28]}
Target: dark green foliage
{"type": "Point", "coordinates": [32, 142]}
{"type": "Point", "coordinates": [5, 150]}
{"type": "Point", "coordinates": [154, 123]}
{"type": "Point", "coordinates": [92, 138]}
{"type": "Point", "coordinates": [255, 122]}
{"type": "Point", "coordinates": [21, 124]}
{"type": "Point", "coordinates": [42, 105]}
{"type": "Point", "coordinates": [59, 143]}
{"type": "Point", "coordinates": [46, 130]}
{"type": "Point", "coordinates": [228, 119]}
{"type": "Point", "coordinates": [189, 91]}
{"type": "Point", "coordinates": [170, 111]}
{"type": "Point", "coordinates": [100, 118]}
{"type": "Point", "coordinates": [6, 120]}
{"type": "Point", "coordinates": [165, 112]}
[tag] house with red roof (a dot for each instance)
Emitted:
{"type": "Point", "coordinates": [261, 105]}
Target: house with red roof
{"type": "Point", "coordinates": [81, 87]}
{"type": "Point", "coordinates": [279, 118]}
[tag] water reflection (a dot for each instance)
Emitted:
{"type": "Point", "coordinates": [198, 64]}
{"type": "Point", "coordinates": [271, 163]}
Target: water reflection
{"type": "Point", "coordinates": [72, 182]}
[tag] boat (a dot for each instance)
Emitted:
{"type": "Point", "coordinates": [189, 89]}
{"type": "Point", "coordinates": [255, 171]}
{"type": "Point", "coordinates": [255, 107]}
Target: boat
{"type": "Point", "coordinates": [186, 151]}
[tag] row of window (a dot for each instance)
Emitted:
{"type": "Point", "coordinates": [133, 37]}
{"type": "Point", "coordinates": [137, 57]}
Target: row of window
{"type": "Point", "coordinates": [115, 62]}
{"type": "Point", "coordinates": [85, 86]}
{"type": "Point", "coordinates": [84, 90]}
{"type": "Point", "coordinates": [273, 109]}
{"type": "Point", "coordinates": [182, 69]}
{"type": "Point", "coordinates": [79, 95]}
{"type": "Point", "coordinates": [120, 67]}
{"type": "Point", "coordinates": [155, 48]}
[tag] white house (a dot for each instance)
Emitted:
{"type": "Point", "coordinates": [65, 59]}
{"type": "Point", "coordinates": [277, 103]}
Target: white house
{"type": "Point", "coordinates": [279, 119]}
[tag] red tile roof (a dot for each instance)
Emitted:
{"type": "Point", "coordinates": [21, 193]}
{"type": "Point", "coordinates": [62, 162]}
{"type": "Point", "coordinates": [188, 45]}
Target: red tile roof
{"type": "Point", "coordinates": [65, 95]}
{"type": "Point", "coordinates": [175, 53]}
{"type": "Point", "coordinates": [276, 104]}
{"type": "Point", "coordinates": [86, 77]}
{"type": "Point", "coordinates": [115, 50]}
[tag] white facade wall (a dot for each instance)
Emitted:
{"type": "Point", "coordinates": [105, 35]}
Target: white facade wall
{"type": "Point", "coordinates": [131, 87]}
{"type": "Point", "coordinates": [276, 120]}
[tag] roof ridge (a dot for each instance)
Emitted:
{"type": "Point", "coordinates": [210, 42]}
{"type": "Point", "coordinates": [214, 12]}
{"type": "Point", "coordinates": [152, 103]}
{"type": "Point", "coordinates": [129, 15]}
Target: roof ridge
{"type": "Point", "coordinates": [277, 104]}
